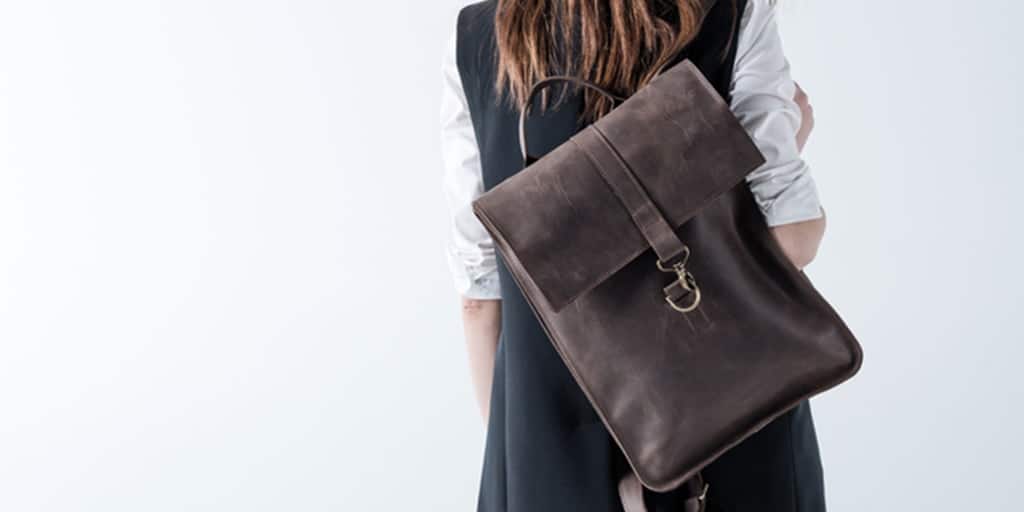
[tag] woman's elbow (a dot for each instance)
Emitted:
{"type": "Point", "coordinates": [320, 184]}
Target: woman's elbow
{"type": "Point", "coordinates": [800, 240]}
{"type": "Point", "coordinates": [472, 307]}
{"type": "Point", "coordinates": [804, 255]}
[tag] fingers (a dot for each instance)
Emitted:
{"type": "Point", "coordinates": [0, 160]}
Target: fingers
{"type": "Point", "coordinates": [803, 101]}
{"type": "Point", "coordinates": [801, 96]}
{"type": "Point", "coordinates": [806, 116]}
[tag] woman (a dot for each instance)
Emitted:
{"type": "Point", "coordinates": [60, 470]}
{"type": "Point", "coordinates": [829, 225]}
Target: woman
{"type": "Point", "coordinates": [546, 448]}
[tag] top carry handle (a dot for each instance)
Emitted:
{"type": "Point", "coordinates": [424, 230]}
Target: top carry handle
{"type": "Point", "coordinates": [540, 86]}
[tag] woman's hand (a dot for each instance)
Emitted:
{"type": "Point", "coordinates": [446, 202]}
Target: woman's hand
{"type": "Point", "coordinates": [806, 117]}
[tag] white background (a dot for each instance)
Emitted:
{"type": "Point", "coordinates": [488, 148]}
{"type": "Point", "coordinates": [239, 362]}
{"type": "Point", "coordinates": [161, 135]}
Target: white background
{"type": "Point", "coordinates": [222, 284]}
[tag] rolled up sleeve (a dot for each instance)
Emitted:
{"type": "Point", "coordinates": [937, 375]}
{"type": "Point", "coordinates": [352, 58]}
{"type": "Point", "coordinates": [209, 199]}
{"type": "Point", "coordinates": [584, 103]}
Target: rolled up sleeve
{"type": "Point", "coordinates": [469, 248]}
{"type": "Point", "coordinates": [762, 100]}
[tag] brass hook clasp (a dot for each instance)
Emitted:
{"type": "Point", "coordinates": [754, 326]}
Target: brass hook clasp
{"type": "Point", "coordinates": [684, 279]}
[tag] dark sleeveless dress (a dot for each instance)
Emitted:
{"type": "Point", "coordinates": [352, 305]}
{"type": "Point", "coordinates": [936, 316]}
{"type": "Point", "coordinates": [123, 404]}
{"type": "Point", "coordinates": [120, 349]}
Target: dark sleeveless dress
{"type": "Point", "coordinates": [547, 450]}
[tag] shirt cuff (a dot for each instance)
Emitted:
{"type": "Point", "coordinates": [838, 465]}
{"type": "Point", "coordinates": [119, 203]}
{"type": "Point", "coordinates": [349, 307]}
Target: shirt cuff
{"type": "Point", "coordinates": [798, 201]}
{"type": "Point", "coordinates": [482, 288]}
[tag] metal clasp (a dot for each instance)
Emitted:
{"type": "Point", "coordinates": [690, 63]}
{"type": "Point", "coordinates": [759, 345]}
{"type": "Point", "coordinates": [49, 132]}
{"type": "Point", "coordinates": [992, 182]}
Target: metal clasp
{"type": "Point", "coordinates": [685, 279]}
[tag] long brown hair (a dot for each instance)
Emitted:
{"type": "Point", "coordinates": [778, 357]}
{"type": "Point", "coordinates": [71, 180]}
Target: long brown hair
{"type": "Point", "coordinates": [618, 44]}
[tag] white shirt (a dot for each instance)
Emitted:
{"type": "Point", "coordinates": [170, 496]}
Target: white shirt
{"type": "Point", "coordinates": [762, 100]}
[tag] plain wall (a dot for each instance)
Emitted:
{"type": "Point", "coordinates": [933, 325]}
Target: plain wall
{"type": "Point", "coordinates": [222, 282]}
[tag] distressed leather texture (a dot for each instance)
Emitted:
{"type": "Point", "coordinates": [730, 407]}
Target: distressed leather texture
{"type": "Point", "coordinates": [581, 230]}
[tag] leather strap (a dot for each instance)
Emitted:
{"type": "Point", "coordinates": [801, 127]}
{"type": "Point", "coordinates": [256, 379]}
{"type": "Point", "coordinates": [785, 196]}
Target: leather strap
{"type": "Point", "coordinates": [631, 192]}
{"type": "Point", "coordinates": [631, 492]}
{"type": "Point", "coordinates": [540, 86]}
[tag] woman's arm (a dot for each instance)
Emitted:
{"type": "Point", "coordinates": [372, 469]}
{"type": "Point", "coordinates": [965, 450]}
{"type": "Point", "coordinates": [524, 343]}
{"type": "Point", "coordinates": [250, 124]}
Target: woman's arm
{"type": "Point", "coordinates": [470, 250]}
{"type": "Point", "coordinates": [481, 322]}
{"type": "Point", "coordinates": [768, 104]}
{"type": "Point", "coordinates": [800, 240]}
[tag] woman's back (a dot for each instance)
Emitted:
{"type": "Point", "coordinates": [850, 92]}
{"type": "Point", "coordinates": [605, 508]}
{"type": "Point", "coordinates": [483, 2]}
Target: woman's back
{"type": "Point", "coordinates": [546, 448]}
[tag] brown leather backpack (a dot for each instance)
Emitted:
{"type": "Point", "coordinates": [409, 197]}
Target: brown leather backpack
{"type": "Point", "coordinates": [646, 260]}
